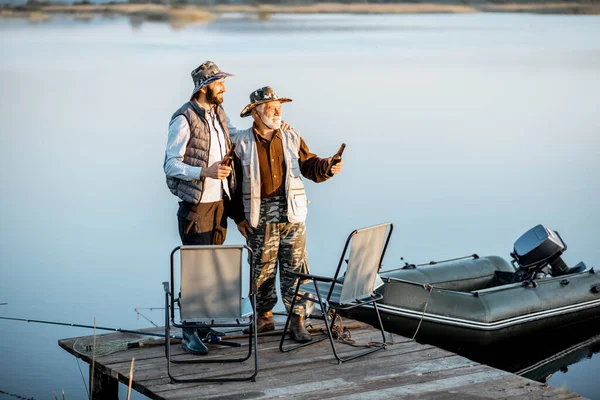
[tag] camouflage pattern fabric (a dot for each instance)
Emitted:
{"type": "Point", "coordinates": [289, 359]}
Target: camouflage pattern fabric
{"type": "Point", "coordinates": [277, 242]}
{"type": "Point", "coordinates": [205, 74]}
{"type": "Point", "coordinates": [261, 96]}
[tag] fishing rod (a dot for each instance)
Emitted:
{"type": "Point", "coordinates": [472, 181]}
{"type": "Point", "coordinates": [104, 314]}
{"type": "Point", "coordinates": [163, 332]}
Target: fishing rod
{"type": "Point", "coordinates": [102, 328]}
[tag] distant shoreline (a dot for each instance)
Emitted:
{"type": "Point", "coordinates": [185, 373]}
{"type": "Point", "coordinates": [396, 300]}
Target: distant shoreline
{"type": "Point", "coordinates": [413, 8]}
{"type": "Point", "coordinates": [189, 14]}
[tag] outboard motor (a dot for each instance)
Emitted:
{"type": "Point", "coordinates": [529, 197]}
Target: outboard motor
{"type": "Point", "coordinates": [537, 248]}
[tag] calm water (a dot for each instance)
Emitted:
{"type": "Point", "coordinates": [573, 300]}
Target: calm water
{"type": "Point", "coordinates": [463, 130]}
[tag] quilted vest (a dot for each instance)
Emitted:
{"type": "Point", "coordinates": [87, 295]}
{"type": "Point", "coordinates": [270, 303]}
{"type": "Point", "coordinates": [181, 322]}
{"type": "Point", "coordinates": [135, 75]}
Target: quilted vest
{"type": "Point", "coordinates": [196, 152]}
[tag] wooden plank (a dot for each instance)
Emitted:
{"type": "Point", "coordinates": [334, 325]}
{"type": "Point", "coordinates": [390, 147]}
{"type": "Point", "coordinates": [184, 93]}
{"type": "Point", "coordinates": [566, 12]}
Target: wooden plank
{"type": "Point", "coordinates": [516, 387]}
{"type": "Point", "coordinates": [274, 360]}
{"type": "Point", "coordinates": [216, 351]}
{"type": "Point", "coordinates": [405, 369]}
{"type": "Point", "coordinates": [305, 386]}
{"type": "Point", "coordinates": [303, 372]}
{"type": "Point", "coordinates": [297, 371]}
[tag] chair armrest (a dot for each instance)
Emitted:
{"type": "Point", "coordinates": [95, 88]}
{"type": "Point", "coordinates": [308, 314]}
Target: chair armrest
{"type": "Point", "coordinates": [314, 277]}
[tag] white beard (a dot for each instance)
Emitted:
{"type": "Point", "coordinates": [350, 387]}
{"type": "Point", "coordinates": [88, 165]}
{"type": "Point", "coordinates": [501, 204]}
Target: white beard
{"type": "Point", "coordinates": [274, 123]}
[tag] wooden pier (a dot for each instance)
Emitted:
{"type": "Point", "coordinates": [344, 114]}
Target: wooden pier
{"type": "Point", "coordinates": [406, 369]}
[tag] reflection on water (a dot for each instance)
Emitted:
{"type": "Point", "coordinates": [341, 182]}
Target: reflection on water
{"type": "Point", "coordinates": [322, 24]}
{"type": "Point", "coordinates": [541, 356]}
{"type": "Point", "coordinates": [543, 370]}
{"type": "Point", "coordinates": [462, 130]}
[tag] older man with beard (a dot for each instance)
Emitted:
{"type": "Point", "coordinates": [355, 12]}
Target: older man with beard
{"type": "Point", "coordinates": [197, 142]}
{"type": "Point", "coordinates": [269, 205]}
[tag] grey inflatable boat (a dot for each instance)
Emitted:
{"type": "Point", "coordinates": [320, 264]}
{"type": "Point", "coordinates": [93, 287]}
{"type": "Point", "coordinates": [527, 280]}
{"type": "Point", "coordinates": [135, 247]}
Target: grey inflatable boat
{"type": "Point", "coordinates": [482, 300]}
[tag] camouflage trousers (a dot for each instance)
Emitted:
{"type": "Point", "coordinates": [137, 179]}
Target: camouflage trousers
{"type": "Point", "coordinates": [277, 242]}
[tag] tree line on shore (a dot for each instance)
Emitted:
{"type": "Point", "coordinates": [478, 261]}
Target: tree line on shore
{"type": "Point", "coordinates": [201, 9]}
{"type": "Point", "coordinates": [43, 3]}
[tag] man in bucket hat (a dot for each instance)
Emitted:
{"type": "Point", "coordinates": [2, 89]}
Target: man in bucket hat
{"type": "Point", "coordinates": [269, 205]}
{"type": "Point", "coordinates": [197, 142]}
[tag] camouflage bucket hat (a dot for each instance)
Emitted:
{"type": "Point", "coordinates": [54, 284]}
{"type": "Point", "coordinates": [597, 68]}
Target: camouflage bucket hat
{"type": "Point", "coordinates": [261, 96]}
{"type": "Point", "coordinates": [205, 74]}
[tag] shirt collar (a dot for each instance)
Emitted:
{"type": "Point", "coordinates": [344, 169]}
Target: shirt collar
{"type": "Point", "coordinates": [211, 112]}
{"type": "Point", "coordinates": [260, 137]}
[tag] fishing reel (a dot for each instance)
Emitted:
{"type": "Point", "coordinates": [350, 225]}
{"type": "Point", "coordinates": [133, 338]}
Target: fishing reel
{"type": "Point", "coordinates": [534, 251]}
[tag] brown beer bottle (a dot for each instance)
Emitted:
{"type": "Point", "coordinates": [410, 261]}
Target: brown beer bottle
{"type": "Point", "coordinates": [337, 157]}
{"type": "Point", "coordinates": [228, 158]}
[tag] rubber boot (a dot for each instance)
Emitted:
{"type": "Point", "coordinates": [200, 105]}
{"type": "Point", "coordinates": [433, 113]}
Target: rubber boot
{"type": "Point", "coordinates": [192, 343]}
{"type": "Point", "coordinates": [264, 322]}
{"type": "Point", "coordinates": [297, 329]}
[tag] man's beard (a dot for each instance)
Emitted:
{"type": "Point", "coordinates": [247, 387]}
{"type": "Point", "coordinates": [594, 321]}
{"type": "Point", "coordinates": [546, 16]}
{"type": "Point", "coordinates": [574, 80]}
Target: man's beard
{"type": "Point", "coordinates": [271, 123]}
{"type": "Point", "coordinates": [212, 97]}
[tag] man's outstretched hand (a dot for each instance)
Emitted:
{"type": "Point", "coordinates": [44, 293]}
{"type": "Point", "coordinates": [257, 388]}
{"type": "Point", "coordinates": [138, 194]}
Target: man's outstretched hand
{"type": "Point", "coordinates": [337, 167]}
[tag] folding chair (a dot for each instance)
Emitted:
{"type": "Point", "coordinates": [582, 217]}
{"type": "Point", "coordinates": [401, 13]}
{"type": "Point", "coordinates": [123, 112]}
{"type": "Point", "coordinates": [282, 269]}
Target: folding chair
{"type": "Point", "coordinates": [356, 288]}
{"type": "Point", "coordinates": [211, 297]}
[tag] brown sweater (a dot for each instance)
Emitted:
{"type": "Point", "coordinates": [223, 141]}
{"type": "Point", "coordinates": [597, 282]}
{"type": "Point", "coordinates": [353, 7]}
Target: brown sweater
{"type": "Point", "coordinates": [273, 170]}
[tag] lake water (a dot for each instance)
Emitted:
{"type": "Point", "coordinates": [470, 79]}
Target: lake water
{"type": "Point", "coordinates": [463, 130]}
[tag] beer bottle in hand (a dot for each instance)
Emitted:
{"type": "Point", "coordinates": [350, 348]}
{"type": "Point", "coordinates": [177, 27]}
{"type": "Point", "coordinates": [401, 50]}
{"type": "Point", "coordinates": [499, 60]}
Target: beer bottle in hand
{"type": "Point", "coordinates": [228, 158]}
{"type": "Point", "coordinates": [337, 157]}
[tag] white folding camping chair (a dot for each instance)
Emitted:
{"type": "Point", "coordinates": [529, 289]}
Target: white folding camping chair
{"type": "Point", "coordinates": [211, 297]}
{"type": "Point", "coordinates": [355, 288]}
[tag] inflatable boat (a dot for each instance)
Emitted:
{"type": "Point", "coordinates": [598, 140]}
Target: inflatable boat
{"type": "Point", "coordinates": [483, 300]}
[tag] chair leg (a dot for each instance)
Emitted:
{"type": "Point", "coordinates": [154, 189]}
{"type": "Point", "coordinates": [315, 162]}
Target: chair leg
{"type": "Point", "coordinates": [287, 321]}
{"type": "Point", "coordinates": [252, 347]}
{"type": "Point", "coordinates": [380, 323]}
{"type": "Point", "coordinates": [372, 349]}
{"type": "Point", "coordinates": [168, 337]}
{"type": "Point", "coordinates": [254, 339]}
{"type": "Point", "coordinates": [329, 327]}
{"type": "Point", "coordinates": [329, 324]}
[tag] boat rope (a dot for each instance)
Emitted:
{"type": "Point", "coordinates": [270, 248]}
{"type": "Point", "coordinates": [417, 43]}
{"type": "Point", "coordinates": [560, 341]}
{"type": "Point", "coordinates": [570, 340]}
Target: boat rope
{"type": "Point", "coordinates": [342, 334]}
{"type": "Point", "coordinates": [411, 266]}
{"type": "Point", "coordinates": [339, 332]}
{"type": "Point", "coordinates": [429, 288]}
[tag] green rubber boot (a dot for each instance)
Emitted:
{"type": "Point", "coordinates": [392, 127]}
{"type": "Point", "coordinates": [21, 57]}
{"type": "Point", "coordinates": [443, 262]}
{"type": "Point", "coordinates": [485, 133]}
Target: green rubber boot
{"type": "Point", "coordinates": [192, 343]}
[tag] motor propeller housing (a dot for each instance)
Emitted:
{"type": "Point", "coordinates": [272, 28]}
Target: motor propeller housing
{"type": "Point", "coordinates": [538, 247]}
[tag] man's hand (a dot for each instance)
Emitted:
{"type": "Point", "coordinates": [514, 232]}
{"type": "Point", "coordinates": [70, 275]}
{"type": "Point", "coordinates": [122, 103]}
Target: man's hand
{"type": "Point", "coordinates": [244, 228]}
{"type": "Point", "coordinates": [337, 168]}
{"type": "Point", "coordinates": [216, 171]}
{"type": "Point", "coordinates": [285, 126]}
